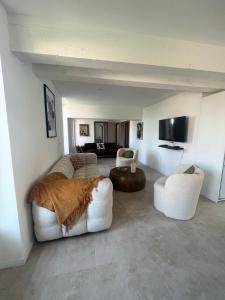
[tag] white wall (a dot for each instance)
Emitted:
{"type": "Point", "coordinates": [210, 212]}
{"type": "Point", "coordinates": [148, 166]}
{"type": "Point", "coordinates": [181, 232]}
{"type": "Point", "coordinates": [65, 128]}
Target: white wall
{"type": "Point", "coordinates": [81, 140]}
{"type": "Point", "coordinates": [203, 113]}
{"type": "Point", "coordinates": [134, 141]}
{"type": "Point", "coordinates": [9, 223]}
{"type": "Point", "coordinates": [73, 110]}
{"type": "Point", "coordinates": [32, 153]}
{"type": "Point", "coordinates": [211, 144]}
{"type": "Point", "coordinates": [111, 132]}
{"type": "Point", "coordinates": [184, 104]}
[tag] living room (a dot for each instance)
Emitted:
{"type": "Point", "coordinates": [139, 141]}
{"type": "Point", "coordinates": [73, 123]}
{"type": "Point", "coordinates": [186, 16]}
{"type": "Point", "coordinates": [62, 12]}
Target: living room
{"type": "Point", "coordinates": [89, 133]}
{"type": "Point", "coordinates": [106, 73]}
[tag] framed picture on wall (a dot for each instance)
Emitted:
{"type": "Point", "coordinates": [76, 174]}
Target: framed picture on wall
{"type": "Point", "coordinates": [84, 129]}
{"type": "Point", "coordinates": [50, 114]}
{"type": "Point", "coordinates": [140, 130]}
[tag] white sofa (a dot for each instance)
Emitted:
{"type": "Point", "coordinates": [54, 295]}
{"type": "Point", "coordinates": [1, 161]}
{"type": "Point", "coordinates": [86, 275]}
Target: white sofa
{"type": "Point", "coordinates": [98, 215]}
{"type": "Point", "coordinates": [123, 161]}
{"type": "Point", "coordinates": [177, 195]}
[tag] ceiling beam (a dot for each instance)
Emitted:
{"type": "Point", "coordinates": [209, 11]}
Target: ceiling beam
{"type": "Point", "coordinates": [112, 46]}
{"type": "Point", "coordinates": [151, 78]}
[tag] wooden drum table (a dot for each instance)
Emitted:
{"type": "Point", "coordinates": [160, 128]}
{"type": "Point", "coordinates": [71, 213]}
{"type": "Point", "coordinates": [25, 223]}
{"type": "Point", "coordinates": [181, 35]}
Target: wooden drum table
{"type": "Point", "coordinates": [125, 181]}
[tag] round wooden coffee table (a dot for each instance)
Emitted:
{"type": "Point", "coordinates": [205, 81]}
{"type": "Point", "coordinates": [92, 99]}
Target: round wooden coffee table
{"type": "Point", "coordinates": [125, 181]}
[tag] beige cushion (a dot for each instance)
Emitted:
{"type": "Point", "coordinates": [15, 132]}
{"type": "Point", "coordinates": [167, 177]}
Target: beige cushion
{"type": "Point", "coordinates": [86, 171]}
{"type": "Point", "coordinates": [64, 166]}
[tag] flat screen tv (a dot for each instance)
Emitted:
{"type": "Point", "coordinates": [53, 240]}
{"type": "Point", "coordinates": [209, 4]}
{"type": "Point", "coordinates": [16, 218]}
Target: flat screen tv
{"type": "Point", "coordinates": [174, 129]}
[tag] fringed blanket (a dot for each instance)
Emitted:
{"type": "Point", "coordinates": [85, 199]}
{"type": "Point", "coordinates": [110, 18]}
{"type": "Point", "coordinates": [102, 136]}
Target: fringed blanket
{"type": "Point", "coordinates": [68, 198]}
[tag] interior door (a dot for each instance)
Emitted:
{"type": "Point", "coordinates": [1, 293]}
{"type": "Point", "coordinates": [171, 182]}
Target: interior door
{"type": "Point", "coordinates": [127, 134]}
{"type": "Point", "coordinates": [118, 133]}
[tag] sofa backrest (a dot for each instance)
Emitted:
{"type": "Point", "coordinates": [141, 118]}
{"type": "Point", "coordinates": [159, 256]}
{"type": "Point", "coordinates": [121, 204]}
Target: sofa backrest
{"type": "Point", "coordinates": [122, 150]}
{"type": "Point", "coordinates": [180, 179]}
{"type": "Point", "coordinates": [109, 146]}
{"type": "Point", "coordinates": [64, 166]}
{"type": "Point", "coordinates": [180, 169]}
{"type": "Point", "coordinates": [90, 146]}
{"type": "Point", "coordinates": [79, 160]}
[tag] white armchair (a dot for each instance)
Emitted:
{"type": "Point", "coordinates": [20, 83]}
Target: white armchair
{"type": "Point", "coordinates": [123, 161]}
{"type": "Point", "coordinates": [177, 195]}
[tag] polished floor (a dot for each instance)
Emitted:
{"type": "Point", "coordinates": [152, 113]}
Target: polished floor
{"type": "Point", "coordinates": [143, 256]}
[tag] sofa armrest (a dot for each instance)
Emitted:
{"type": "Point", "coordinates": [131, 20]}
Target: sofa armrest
{"type": "Point", "coordinates": [99, 211]}
{"type": "Point", "coordinates": [84, 158]}
{"type": "Point", "coordinates": [120, 152]}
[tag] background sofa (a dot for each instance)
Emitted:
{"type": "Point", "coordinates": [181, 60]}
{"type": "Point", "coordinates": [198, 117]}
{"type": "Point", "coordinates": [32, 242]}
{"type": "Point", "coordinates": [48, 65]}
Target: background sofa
{"type": "Point", "coordinates": [98, 215]}
{"type": "Point", "coordinates": [109, 151]}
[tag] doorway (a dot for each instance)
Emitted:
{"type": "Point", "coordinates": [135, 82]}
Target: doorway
{"type": "Point", "coordinates": [127, 134]}
{"type": "Point", "coordinates": [101, 132]}
{"type": "Point", "coordinates": [123, 134]}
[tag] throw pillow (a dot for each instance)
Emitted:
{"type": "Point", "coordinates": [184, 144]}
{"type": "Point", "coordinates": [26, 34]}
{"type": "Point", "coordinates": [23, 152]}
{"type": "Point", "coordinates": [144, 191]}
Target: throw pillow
{"type": "Point", "coordinates": [190, 170]}
{"type": "Point", "coordinates": [78, 161]}
{"type": "Point", "coordinates": [128, 154]}
{"type": "Point", "coordinates": [100, 146]}
{"type": "Point", "coordinates": [79, 149]}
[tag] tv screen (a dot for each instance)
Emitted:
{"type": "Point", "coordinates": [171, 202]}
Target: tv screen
{"type": "Point", "coordinates": [174, 129]}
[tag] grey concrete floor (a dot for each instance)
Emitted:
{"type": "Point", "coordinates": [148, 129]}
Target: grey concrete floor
{"type": "Point", "coordinates": [143, 256]}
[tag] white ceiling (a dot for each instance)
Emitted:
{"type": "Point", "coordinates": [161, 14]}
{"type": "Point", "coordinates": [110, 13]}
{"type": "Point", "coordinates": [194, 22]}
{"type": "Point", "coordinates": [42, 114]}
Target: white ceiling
{"type": "Point", "coordinates": [97, 94]}
{"type": "Point", "coordinates": [202, 21]}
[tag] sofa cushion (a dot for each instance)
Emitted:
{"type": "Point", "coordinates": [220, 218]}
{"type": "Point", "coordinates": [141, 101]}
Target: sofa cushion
{"type": "Point", "coordinates": [101, 152]}
{"type": "Point", "coordinates": [128, 154]}
{"type": "Point", "coordinates": [78, 228]}
{"type": "Point", "coordinates": [64, 166]}
{"type": "Point", "coordinates": [91, 151]}
{"type": "Point", "coordinates": [110, 151]}
{"type": "Point", "coordinates": [190, 170]}
{"type": "Point", "coordinates": [86, 171]}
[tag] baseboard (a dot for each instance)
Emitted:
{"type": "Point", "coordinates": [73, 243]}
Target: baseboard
{"type": "Point", "coordinates": [12, 263]}
{"type": "Point", "coordinates": [18, 262]}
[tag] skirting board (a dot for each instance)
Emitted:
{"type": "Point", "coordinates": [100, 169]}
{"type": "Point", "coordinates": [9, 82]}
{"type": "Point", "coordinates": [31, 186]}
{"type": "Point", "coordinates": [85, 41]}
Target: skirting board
{"type": "Point", "coordinates": [18, 262]}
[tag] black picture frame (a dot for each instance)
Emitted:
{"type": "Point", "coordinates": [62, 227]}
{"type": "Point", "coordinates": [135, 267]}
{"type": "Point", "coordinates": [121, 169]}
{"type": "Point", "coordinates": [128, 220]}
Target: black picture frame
{"type": "Point", "coordinates": [84, 130]}
{"type": "Point", "coordinates": [50, 113]}
{"type": "Point", "coordinates": [140, 130]}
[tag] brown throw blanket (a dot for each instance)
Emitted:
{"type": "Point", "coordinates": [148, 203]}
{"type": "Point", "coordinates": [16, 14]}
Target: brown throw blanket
{"type": "Point", "coordinates": [68, 198]}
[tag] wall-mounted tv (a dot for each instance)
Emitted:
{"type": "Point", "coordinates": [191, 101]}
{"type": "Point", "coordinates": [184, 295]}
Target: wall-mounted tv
{"type": "Point", "coordinates": [174, 129]}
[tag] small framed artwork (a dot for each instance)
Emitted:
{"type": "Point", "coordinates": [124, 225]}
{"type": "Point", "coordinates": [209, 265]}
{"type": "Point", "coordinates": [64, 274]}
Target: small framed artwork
{"type": "Point", "coordinates": [140, 130]}
{"type": "Point", "coordinates": [84, 129]}
{"type": "Point", "coordinates": [50, 114]}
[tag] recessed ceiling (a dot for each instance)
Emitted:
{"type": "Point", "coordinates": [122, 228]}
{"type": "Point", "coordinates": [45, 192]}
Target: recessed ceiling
{"type": "Point", "coordinates": [201, 21]}
{"type": "Point", "coordinates": [97, 94]}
